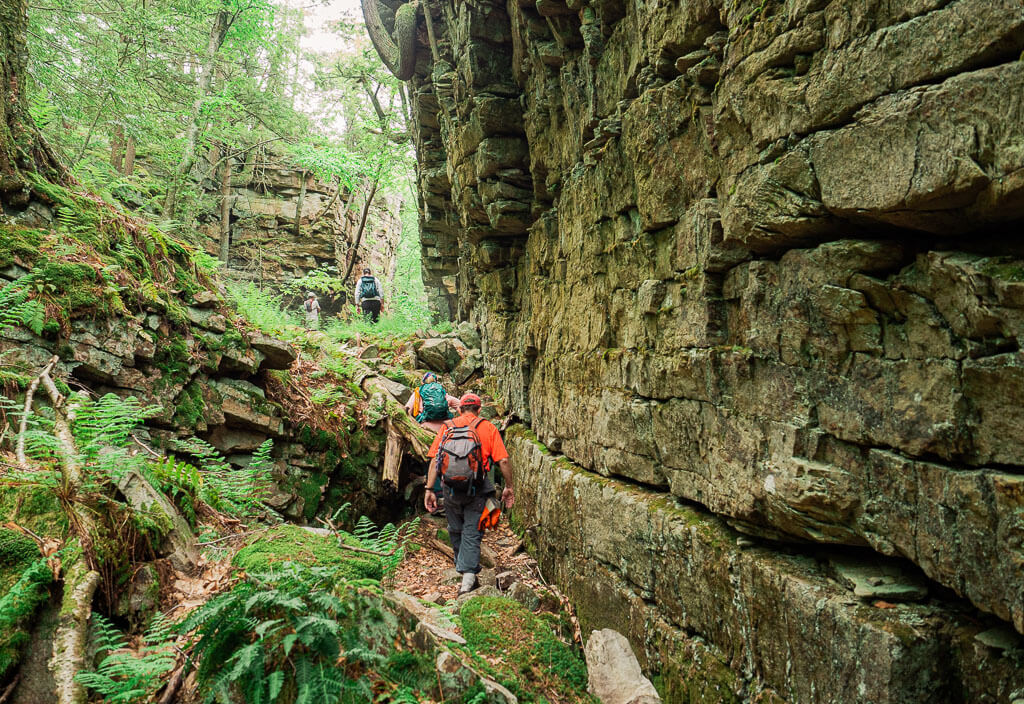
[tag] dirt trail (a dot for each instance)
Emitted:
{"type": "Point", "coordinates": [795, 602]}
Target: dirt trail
{"type": "Point", "coordinates": [422, 573]}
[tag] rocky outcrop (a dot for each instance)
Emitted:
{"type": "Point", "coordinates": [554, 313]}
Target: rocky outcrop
{"type": "Point", "coordinates": [207, 375]}
{"type": "Point", "coordinates": [726, 619]}
{"type": "Point", "coordinates": [757, 257]}
{"type": "Point", "coordinates": [267, 248]}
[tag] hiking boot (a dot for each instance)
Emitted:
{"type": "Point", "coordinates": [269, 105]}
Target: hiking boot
{"type": "Point", "coordinates": [469, 583]}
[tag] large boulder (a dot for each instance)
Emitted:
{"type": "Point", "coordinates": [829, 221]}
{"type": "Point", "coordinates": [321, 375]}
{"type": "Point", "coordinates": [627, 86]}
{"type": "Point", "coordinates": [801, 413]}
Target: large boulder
{"type": "Point", "coordinates": [615, 675]}
{"type": "Point", "coordinates": [279, 354]}
{"type": "Point", "coordinates": [441, 354]}
{"type": "Point", "coordinates": [246, 406]}
{"type": "Point", "coordinates": [470, 365]}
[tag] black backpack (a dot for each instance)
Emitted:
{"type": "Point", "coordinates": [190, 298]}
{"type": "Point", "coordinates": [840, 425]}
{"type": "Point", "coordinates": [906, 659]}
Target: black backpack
{"type": "Point", "coordinates": [309, 306]}
{"type": "Point", "coordinates": [460, 457]}
{"type": "Point", "coordinates": [368, 287]}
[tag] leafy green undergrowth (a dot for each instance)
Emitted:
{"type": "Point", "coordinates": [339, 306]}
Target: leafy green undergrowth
{"type": "Point", "coordinates": [522, 652]}
{"type": "Point", "coordinates": [96, 261]}
{"type": "Point", "coordinates": [126, 676]}
{"type": "Point", "coordinates": [17, 606]}
{"type": "Point", "coordinates": [308, 622]}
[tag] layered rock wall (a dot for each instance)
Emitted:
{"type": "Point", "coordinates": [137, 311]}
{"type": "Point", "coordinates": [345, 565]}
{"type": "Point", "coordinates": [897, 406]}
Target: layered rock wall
{"type": "Point", "coordinates": [758, 257]}
{"type": "Point", "coordinates": [209, 377]}
{"type": "Point", "coordinates": [267, 247]}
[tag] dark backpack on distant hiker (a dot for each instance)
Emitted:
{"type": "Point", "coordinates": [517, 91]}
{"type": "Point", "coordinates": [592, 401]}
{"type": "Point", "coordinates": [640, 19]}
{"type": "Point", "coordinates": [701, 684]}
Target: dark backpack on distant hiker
{"type": "Point", "coordinates": [368, 288]}
{"type": "Point", "coordinates": [435, 403]}
{"type": "Point", "coordinates": [309, 306]}
{"type": "Point", "coordinates": [460, 457]}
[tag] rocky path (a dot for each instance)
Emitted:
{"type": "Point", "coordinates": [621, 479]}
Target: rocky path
{"type": "Point", "coordinates": [427, 571]}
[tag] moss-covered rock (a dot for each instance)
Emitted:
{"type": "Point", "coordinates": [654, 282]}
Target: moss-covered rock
{"type": "Point", "coordinates": [16, 553]}
{"type": "Point", "coordinates": [523, 653]}
{"type": "Point", "coordinates": [295, 544]}
{"type": "Point", "coordinates": [19, 244]}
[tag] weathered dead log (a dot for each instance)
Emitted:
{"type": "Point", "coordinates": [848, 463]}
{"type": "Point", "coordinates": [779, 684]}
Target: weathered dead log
{"type": "Point", "coordinates": [418, 438]}
{"type": "Point", "coordinates": [393, 451]}
{"type": "Point", "coordinates": [69, 642]}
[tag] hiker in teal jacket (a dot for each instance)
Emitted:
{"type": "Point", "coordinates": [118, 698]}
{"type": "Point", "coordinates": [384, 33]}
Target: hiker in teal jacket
{"type": "Point", "coordinates": [429, 412]}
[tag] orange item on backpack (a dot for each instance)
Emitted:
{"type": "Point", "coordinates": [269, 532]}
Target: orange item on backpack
{"type": "Point", "coordinates": [491, 515]}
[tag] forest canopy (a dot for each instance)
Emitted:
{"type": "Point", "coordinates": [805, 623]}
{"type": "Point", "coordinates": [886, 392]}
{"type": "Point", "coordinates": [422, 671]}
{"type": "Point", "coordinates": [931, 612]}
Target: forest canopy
{"type": "Point", "coordinates": [147, 102]}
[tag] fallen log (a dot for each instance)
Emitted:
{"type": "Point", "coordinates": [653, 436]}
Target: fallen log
{"type": "Point", "coordinates": [69, 642]}
{"type": "Point", "coordinates": [417, 438]}
{"type": "Point", "coordinates": [393, 452]}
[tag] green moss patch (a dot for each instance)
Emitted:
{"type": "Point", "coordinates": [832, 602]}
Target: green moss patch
{"type": "Point", "coordinates": [19, 244]}
{"type": "Point", "coordinates": [523, 653]}
{"type": "Point", "coordinates": [294, 544]}
{"type": "Point", "coordinates": [16, 553]}
{"type": "Point", "coordinates": [17, 606]}
{"type": "Point", "coordinates": [35, 508]}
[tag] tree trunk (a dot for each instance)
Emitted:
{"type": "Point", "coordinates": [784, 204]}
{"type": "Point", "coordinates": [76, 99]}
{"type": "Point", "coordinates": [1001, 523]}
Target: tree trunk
{"type": "Point", "coordinates": [353, 253]}
{"type": "Point", "coordinates": [225, 212]}
{"type": "Point", "coordinates": [298, 204]}
{"type": "Point", "coordinates": [393, 451]}
{"type": "Point", "coordinates": [21, 146]}
{"type": "Point", "coordinates": [129, 157]}
{"type": "Point", "coordinates": [117, 149]}
{"type": "Point", "coordinates": [92, 128]}
{"type": "Point", "coordinates": [69, 641]}
{"type": "Point", "coordinates": [330, 204]}
{"type": "Point", "coordinates": [188, 157]}
{"type": "Point", "coordinates": [340, 255]}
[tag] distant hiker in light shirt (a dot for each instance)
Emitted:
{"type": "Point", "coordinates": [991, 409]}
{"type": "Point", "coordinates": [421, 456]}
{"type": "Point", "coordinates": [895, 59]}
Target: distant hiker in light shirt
{"type": "Point", "coordinates": [368, 295]}
{"type": "Point", "coordinates": [312, 308]}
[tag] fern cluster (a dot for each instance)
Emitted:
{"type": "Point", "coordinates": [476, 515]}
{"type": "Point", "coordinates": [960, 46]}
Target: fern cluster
{"type": "Point", "coordinates": [237, 492]}
{"type": "Point", "coordinates": [102, 432]}
{"type": "Point", "coordinates": [390, 542]}
{"type": "Point", "coordinates": [273, 638]}
{"type": "Point", "coordinates": [125, 676]}
{"type": "Point", "coordinates": [17, 309]}
{"type": "Point", "coordinates": [17, 607]}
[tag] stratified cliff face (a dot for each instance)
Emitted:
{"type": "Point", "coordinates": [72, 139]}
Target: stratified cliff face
{"type": "Point", "coordinates": [268, 249]}
{"type": "Point", "coordinates": [761, 258]}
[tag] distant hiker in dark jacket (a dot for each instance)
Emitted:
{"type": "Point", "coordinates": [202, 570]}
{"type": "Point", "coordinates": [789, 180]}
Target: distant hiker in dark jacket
{"type": "Point", "coordinates": [462, 455]}
{"type": "Point", "coordinates": [312, 308]}
{"type": "Point", "coordinates": [368, 295]}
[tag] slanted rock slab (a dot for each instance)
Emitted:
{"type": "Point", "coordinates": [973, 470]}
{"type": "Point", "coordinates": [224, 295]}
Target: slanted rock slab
{"type": "Point", "coordinates": [279, 354]}
{"type": "Point", "coordinates": [615, 675]}
{"type": "Point", "coordinates": [441, 354]}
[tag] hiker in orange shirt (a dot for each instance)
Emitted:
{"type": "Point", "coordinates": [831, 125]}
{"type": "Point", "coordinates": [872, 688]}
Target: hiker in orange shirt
{"type": "Point", "coordinates": [461, 456]}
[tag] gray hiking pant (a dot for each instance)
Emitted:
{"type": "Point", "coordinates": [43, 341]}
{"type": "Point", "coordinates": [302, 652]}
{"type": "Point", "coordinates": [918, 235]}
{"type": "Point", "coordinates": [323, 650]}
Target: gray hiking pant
{"type": "Point", "coordinates": [463, 512]}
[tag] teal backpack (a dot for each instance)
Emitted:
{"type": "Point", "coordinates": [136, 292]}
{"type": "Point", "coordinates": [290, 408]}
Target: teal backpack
{"type": "Point", "coordinates": [435, 403]}
{"type": "Point", "coordinates": [368, 288]}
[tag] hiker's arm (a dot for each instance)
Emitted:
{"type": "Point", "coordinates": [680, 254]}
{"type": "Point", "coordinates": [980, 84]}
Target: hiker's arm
{"type": "Point", "coordinates": [508, 496]}
{"type": "Point", "coordinates": [429, 497]}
